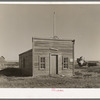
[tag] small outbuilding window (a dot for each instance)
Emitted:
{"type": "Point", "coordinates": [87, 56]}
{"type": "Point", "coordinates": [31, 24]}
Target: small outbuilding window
{"type": "Point", "coordinates": [65, 62]}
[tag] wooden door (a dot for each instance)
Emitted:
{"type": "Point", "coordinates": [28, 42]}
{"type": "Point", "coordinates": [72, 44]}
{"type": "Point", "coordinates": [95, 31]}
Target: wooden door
{"type": "Point", "coordinates": [53, 64]}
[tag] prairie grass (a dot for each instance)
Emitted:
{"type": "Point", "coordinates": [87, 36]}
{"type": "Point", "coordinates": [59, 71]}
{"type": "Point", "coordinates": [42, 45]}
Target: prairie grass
{"type": "Point", "coordinates": [49, 82]}
{"type": "Point", "coordinates": [80, 80]}
{"type": "Point", "coordinates": [94, 69]}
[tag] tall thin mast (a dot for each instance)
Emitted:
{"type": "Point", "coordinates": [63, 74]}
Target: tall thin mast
{"type": "Point", "coordinates": [54, 24]}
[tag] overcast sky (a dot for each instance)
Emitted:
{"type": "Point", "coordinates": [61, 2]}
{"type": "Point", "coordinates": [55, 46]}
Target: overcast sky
{"type": "Point", "coordinates": [19, 23]}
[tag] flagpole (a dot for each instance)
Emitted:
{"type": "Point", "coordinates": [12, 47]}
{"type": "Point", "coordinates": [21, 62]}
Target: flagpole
{"type": "Point", "coordinates": [53, 24]}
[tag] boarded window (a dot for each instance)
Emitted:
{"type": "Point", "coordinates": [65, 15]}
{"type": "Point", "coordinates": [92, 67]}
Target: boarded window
{"type": "Point", "coordinates": [42, 62]}
{"type": "Point", "coordinates": [65, 62]}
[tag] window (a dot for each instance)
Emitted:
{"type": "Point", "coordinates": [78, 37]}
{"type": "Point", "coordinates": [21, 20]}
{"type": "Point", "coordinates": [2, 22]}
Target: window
{"type": "Point", "coordinates": [65, 62]}
{"type": "Point", "coordinates": [41, 62]}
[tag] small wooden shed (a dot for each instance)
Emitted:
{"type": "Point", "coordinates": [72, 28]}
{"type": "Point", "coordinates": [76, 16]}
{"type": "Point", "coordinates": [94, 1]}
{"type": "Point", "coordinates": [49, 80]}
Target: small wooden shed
{"type": "Point", "coordinates": [48, 57]}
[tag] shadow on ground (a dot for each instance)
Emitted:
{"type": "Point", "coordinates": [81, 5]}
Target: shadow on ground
{"type": "Point", "coordinates": [17, 72]}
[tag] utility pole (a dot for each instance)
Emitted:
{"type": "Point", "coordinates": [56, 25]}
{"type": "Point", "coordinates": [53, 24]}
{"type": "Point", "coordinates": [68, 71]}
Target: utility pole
{"type": "Point", "coordinates": [73, 56]}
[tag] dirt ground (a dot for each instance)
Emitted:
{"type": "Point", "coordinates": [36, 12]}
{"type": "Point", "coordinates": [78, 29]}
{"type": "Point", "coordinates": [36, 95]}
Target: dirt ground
{"type": "Point", "coordinates": [84, 78]}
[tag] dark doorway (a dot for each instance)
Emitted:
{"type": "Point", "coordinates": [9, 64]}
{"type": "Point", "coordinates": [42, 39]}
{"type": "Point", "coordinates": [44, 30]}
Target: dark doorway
{"type": "Point", "coordinates": [56, 64]}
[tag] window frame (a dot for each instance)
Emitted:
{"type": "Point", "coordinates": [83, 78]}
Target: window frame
{"type": "Point", "coordinates": [43, 63]}
{"type": "Point", "coordinates": [63, 62]}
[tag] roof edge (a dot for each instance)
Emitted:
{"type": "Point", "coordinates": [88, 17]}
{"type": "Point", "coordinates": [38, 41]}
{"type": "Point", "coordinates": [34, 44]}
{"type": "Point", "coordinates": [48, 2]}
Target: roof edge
{"type": "Point", "coordinates": [53, 39]}
{"type": "Point", "coordinates": [25, 52]}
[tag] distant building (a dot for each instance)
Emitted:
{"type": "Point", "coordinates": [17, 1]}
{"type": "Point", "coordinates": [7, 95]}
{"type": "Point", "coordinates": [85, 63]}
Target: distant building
{"type": "Point", "coordinates": [2, 62]}
{"type": "Point", "coordinates": [48, 57]}
{"type": "Point", "coordinates": [12, 64]}
{"type": "Point", "coordinates": [6, 64]}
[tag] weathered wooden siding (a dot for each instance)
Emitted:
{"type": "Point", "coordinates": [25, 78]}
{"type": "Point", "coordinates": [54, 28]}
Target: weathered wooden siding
{"type": "Point", "coordinates": [47, 47]}
{"type": "Point", "coordinates": [25, 62]}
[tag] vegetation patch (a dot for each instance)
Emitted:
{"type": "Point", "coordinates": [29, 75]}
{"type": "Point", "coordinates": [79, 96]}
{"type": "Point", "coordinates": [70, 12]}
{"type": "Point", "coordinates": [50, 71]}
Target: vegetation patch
{"type": "Point", "coordinates": [84, 78]}
{"type": "Point", "coordinates": [95, 69]}
{"type": "Point", "coordinates": [11, 72]}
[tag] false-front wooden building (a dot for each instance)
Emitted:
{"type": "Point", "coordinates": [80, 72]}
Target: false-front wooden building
{"type": "Point", "coordinates": [48, 57]}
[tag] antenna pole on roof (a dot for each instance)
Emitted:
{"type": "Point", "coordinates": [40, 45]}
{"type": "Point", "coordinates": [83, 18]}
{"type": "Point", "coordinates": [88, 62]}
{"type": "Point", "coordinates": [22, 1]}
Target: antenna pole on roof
{"type": "Point", "coordinates": [54, 24]}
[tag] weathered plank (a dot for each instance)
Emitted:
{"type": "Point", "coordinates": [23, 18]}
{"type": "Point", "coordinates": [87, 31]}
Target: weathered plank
{"type": "Point", "coordinates": [58, 44]}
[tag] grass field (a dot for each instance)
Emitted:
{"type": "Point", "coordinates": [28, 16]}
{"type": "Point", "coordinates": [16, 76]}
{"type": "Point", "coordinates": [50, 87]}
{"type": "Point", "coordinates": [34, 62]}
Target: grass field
{"type": "Point", "coordinates": [87, 77]}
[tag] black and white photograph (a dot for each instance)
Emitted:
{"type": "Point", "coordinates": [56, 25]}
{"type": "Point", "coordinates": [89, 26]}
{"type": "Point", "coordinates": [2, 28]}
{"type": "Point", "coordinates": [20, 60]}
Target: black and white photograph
{"type": "Point", "coordinates": [50, 46]}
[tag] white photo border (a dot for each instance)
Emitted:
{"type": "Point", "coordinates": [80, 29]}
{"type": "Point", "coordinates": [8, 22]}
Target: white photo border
{"type": "Point", "coordinates": [39, 93]}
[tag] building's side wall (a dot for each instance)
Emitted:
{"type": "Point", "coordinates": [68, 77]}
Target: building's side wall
{"type": "Point", "coordinates": [25, 62]}
{"type": "Point", "coordinates": [43, 48]}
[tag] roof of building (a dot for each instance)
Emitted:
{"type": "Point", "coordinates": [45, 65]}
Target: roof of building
{"type": "Point", "coordinates": [26, 52]}
{"type": "Point", "coordinates": [54, 39]}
